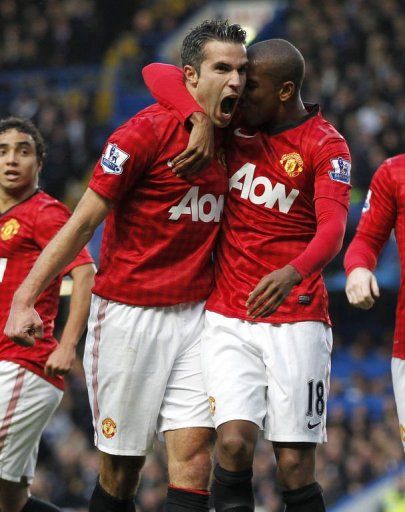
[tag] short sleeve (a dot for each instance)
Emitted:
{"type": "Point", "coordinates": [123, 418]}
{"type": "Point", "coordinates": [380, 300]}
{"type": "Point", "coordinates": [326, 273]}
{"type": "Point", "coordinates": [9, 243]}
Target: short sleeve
{"type": "Point", "coordinates": [332, 164]}
{"type": "Point", "coordinates": [128, 152]}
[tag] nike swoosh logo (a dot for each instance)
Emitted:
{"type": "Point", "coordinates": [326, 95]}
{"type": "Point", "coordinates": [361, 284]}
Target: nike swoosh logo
{"type": "Point", "coordinates": [238, 133]}
{"type": "Point", "coordinates": [310, 426]}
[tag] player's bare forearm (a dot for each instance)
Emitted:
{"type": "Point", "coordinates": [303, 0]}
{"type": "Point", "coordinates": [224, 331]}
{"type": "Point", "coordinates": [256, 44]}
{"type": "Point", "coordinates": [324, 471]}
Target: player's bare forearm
{"type": "Point", "coordinates": [61, 360]}
{"type": "Point", "coordinates": [271, 291]}
{"type": "Point", "coordinates": [63, 248]}
{"type": "Point", "coordinates": [24, 324]}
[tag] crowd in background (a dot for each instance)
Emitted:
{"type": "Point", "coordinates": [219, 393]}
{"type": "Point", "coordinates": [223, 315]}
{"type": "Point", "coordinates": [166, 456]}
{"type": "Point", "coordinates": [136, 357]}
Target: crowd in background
{"type": "Point", "coordinates": [355, 69]}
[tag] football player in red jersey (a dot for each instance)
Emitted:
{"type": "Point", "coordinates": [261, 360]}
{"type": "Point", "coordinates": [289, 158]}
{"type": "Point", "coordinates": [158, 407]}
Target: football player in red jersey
{"type": "Point", "coordinates": [142, 358]}
{"type": "Point", "coordinates": [31, 379]}
{"type": "Point", "coordinates": [267, 341]}
{"type": "Point", "coordinates": [383, 211]}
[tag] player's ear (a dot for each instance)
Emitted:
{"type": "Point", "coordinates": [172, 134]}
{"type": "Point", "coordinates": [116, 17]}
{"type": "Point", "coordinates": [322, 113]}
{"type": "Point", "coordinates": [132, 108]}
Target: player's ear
{"type": "Point", "coordinates": [190, 75]}
{"type": "Point", "coordinates": [287, 91]}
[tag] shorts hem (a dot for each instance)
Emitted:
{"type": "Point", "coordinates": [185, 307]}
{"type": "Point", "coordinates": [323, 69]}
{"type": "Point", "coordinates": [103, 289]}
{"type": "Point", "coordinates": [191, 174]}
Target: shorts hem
{"type": "Point", "coordinates": [129, 453]}
{"type": "Point", "coordinates": [293, 439]}
{"type": "Point", "coordinates": [178, 426]}
{"type": "Point", "coordinates": [17, 479]}
{"type": "Point", "coordinates": [238, 417]}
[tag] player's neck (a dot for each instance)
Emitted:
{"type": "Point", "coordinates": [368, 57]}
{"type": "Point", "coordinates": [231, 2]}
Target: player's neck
{"type": "Point", "coordinates": [8, 198]}
{"type": "Point", "coordinates": [291, 112]}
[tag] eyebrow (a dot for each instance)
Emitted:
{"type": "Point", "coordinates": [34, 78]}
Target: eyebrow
{"type": "Point", "coordinates": [19, 144]}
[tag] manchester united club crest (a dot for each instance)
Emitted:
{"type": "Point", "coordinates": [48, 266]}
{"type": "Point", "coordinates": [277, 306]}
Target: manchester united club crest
{"type": "Point", "coordinates": [293, 164]}
{"type": "Point", "coordinates": [211, 401]}
{"type": "Point", "coordinates": [9, 229]}
{"type": "Point", "coordinates": [109, 428]}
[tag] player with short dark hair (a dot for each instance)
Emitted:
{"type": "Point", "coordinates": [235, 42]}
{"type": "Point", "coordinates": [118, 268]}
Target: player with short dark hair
{"type": "Point", "coordinates": [31, 378]}
{"type": "Point", "coordinates": [193, 47]}
{"type": "Point", "coordinates": [142, 358]}
{"type": "Point", "coordinates": [267, 340]}
{"type": "Point", "coordinates": [383, 212]}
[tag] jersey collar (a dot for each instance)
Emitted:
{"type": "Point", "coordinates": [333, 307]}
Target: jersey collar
{"type": "Point", "coordinates": [312, 109]}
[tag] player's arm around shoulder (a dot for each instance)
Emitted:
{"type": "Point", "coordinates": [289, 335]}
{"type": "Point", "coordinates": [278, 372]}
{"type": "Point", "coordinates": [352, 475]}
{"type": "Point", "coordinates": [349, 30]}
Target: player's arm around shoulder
{"type": "Point", "coordinates": [61, 360]}
{"type": "Point", "coordinates": [24, 323]}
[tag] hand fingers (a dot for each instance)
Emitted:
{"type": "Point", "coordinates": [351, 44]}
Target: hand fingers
{"type": "Point", "coordinates": [189, 167]}
{"type": "Point", "coordinates": [360, 297]}
{"type": "Point", "coordinates": [265, 301]}
{"type": "Point", "coordinates": [267, 308]}
{"type": "Point", "coordinates": [185, 154]}
{"type": "Point", "coordinates": [260, 287]}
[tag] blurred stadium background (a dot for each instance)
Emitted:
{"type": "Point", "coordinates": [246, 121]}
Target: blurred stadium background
{"type": "Point", "coordinates": [73, 66]}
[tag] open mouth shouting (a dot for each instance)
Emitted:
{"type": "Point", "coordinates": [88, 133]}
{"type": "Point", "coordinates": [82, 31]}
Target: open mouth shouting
{"type": "Point", "coordinates": [228, 106]}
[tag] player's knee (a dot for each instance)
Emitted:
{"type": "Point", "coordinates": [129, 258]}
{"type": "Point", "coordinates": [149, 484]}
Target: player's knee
{"type": "Point", "coordinates": [235, 446]}
{"type": "Point", "coordinates": [193, 471]}
{"type": "Point", "coordinates": [119, 476]}
{"type": "Point", "coordinates": [294, 470]}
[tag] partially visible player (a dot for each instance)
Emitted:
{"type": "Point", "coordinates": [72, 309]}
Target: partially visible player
{"type": "Point", "coordinates": [267, 342]}
{"type": "Point", "coordinates": [142, 358]}
{"type": "Point", "coordinates": [384, 210]}
{"type": "Point", "coordinates": [31, 378]}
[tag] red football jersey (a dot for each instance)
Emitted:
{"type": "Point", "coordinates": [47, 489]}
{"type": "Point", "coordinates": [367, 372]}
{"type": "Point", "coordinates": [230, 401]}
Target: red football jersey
{"type": "Point", "coordinates": [383, 211]}
{"type": "Point", "coordinates": [159, 236]}
{"type": "Point", "coordinates": [270, 213]}
{"type": "Point", "coordinates": [25, 229]}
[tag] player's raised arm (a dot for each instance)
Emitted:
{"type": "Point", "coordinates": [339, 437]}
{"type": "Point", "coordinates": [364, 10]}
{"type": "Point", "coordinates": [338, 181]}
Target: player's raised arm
{"type": "Point", "coordinates": [166, 83]}
{"type": "Point", "coordinates": [376, 223]}
{"type": "Point", "coordinates": [61, 360]}
{"type": "Point", "coordinates": [24, 324]}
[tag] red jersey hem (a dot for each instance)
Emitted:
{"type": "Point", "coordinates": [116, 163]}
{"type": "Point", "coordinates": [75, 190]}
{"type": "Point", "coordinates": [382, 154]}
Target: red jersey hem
{"type": "Point", "coordinates": [149, 304]}
{"type": "Point", "coordinates": [57, 382]}
{"type": "Point", "coordinates": [270, 320]}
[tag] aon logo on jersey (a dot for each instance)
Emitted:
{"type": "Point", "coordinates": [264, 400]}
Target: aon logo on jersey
{"type": "Point", "coordinates": [206, 208]}
{"type": "Point", "coordinates": [260, 190]}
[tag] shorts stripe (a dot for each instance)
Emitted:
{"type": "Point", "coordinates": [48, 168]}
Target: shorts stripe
{"type": "Point", "coordinates": [11, 406]}
{"type": "Point", "coordinates": [97, 336]}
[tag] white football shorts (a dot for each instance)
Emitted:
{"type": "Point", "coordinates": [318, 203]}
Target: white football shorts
{"type": "Point", "coordinates": [276, 376]}
{"type": "Point", "coordinates": [398, 381]}
{"type": "Point", "coordinates": [27, 402]}
{"type": "Point", "coordinates": [143, 373]}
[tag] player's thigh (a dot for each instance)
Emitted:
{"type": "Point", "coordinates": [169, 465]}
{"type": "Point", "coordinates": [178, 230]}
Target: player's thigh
{"type": "Point", "coordinates": [128, 361]}
{"type": "Point", "coordinates": [185, 404]}
{"type": "Point", "coordinates": [298, 363]}
{"type": "Point", "coordinates": [27, 402]}
{"type": "Point", "coordinates": [233, 370]}
{"type": "Point", "coordinates": [398, 381]}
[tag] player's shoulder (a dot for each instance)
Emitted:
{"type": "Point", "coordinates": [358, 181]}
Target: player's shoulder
{"type": "Point", "coordinates": [392, 168]}
{"type": "Point", "coordinates": [322, 131]}
{"type": "Point", "coordinates": [43, 201]}
{"type": "Point", "coordinates": [153, 118]}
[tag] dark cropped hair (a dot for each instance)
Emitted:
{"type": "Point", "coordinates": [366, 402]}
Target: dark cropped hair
{"type": "Point", "coordinates": [25, 126]}
{"type": "Point", "coordinates": [192, 50]}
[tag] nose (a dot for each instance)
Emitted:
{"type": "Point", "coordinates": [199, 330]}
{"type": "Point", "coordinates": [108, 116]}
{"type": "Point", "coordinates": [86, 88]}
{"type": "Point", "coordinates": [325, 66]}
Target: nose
{"type": "Point", "coordinates": [235, 81]}
{"type": "Point", "coordinates": [11, 157]}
